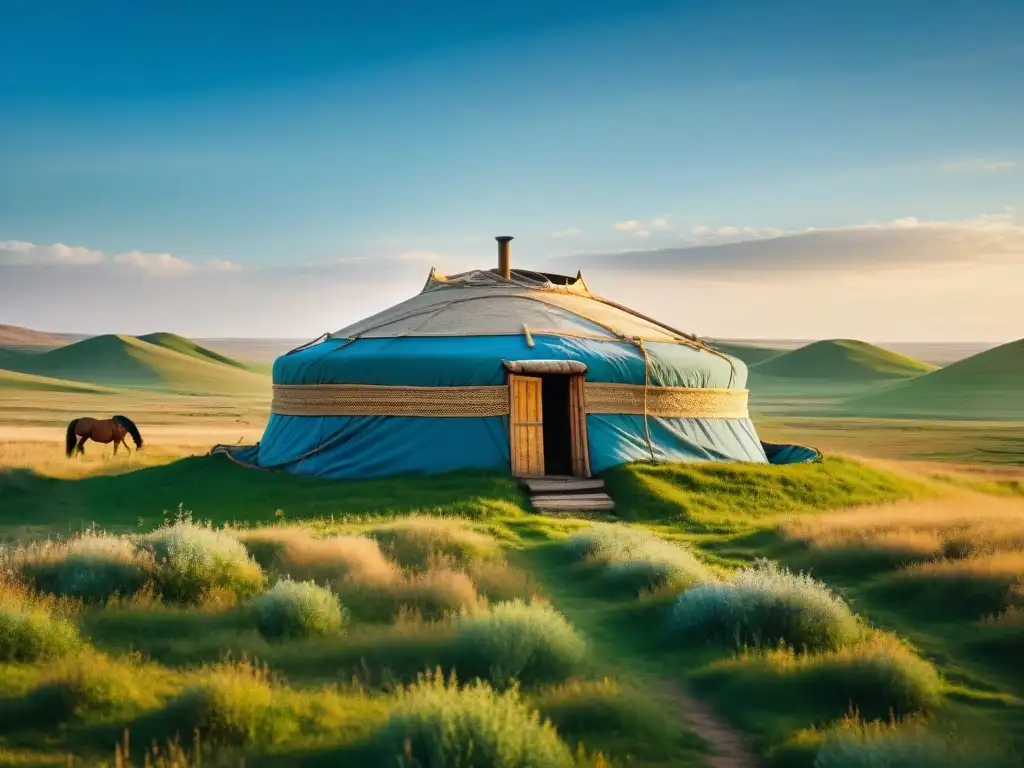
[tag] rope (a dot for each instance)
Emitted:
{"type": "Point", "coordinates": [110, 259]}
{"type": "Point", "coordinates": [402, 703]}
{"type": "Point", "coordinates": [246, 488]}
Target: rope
{"type": "Point", "coordinates": [309, 344]}
{"type": "Point", "coordinates": [647, 383]}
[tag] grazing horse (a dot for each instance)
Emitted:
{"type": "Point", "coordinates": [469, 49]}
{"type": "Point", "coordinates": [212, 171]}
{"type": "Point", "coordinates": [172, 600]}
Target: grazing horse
{"type": "Point", "coordinates": [113, 430]}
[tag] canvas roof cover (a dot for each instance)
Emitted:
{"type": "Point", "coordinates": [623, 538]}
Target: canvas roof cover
{"type": "Point", "coordinates": [482, 303]}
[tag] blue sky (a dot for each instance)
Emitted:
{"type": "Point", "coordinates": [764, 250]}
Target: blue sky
{"type": "Point", "coordinates": [274, 135]}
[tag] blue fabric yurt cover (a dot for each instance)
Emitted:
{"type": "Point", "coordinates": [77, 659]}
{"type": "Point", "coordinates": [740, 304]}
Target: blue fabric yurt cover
{"type": "Point", "coordinates": [423, 387]}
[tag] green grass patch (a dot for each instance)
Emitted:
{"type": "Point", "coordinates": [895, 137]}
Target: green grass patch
{"type": "Point", "coordinates": [33, 629]}
{"type": "Point", "coordinates": [710, 498]}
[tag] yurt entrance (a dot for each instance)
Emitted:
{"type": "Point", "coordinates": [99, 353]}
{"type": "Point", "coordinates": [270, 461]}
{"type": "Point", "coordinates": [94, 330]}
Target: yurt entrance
{"type": "Point", "coordinates": [547, 424]}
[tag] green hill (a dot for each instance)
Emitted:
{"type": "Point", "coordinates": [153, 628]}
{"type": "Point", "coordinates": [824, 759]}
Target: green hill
{"type": "Point", "coordinates": [748, 353]}
{"type": "Point", "coordinates": [842, 360]}
{"type": "Point", "coordinates": [188, 347]}
{"type": "Point", "coordinates": [989, 385]}
{"type": "Point", "coordinates": [125, 361]}
{"type": "Point", "coordinates": [26, 381]}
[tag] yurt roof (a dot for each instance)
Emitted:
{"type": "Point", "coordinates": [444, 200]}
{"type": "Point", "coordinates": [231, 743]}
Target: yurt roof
{"type": "Point", "coordinates": [486, 303]}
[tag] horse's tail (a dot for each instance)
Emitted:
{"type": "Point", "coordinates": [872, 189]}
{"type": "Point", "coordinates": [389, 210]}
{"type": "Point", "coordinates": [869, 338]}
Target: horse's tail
{"type": "Point", "coordinates": [69, 438]}
{"type": "Point", "coordinates": [129, 425]}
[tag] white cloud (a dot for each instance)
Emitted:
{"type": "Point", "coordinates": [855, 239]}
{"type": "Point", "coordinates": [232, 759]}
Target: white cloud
{"type": "Point", "coordinates": [155, 263]}
{"type": "Point", "coordinates": [223, 265]}
{"type": "Point", "coordinates": [642, 228]}
{"type": "Point", "coordinates": [571, 232]}
{"type": "Point", "coordinates": [19, 252]}
{"type": "Point", "coordinates": [979, 164]}
{"type": "Point", "coordinates": [774, 254]}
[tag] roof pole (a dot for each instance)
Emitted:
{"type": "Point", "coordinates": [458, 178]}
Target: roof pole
{"type": "Point", "coordinates": [504, 258]}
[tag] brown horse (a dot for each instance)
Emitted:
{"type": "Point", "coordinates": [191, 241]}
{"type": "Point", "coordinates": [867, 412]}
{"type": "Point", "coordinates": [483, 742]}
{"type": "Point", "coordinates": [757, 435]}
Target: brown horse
{"type": "Point", "coordinates": [113, 430]}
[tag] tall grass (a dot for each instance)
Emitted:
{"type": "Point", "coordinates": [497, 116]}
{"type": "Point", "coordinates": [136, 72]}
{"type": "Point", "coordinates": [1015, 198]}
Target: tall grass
{"type": "Point", "coordinates": [518, 641]}
{"type": "Point", "coordinates": [91, 566]}
{"type": "Point", "coordinates": [418, 542]}
{"type": "Point", "coordinates": [881, 745]}
{"type": "Point", "coordinates": [968, 588]}
{"type": "Point", "coordinates": [913, 531]}
{"type": "Point", "coordinates": [193, 560]}
{"type": "Point", "coordinates": [636, 560]}
{"type": "Point", "coordinates": [435, 723]}
{"type": "Point", "coordinates": [32, 629]}
{"type": "Point", "coordinates": [327, 560]}
{"type": "Point", "coordinates": [764, 605]}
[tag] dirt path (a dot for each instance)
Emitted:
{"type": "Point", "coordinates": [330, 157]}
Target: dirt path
{"type": "Point", "coordinates": [621, 656]}
{"type": "Point", "coordinates": [729, 745]}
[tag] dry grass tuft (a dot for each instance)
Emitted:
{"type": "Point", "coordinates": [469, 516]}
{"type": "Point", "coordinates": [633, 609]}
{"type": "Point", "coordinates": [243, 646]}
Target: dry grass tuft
{"type": "Point", "coordinates": [331, 560]}
{"type": "Point", "coordinates": [419, 542]}
{"type": "Point", "coordinates": [914, 531]}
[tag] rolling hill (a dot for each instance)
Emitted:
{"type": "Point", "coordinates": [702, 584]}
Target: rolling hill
{"type": "Point", "coordinates": [176, 343]}
{"type": "Point", "coordinates": [748, 353]}
{"type": "Point", "coordinates": [842, 360]}
{"type": "Point", "coordinates": [16, 337]}
{"type": "Point", "coordinates": [989, 385]}
{"type": "Point", "coordinates": [26, 381]}
{"type": "Point", "coordinates": [126, 361]}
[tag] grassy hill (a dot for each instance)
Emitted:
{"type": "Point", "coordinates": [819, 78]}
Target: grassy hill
{"type": "Point", "coordinates": [989, 385]}
{"type": "Point", "coordinates": [188, 347]}
{"type": "Point", "coordinates": [26, 381]}
{"type": "Point", "coordinates": [125, 361]}
{"type": "Point", "coordinates": [748, 353]}
{"type": "Point", "coordinates": [842, 360]}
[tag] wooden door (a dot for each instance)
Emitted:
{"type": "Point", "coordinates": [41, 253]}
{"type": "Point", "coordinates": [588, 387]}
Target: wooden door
{"type": "Point", "coordinates": [578, 427]}
{"type": "Point", "coordinates": [526, 426]}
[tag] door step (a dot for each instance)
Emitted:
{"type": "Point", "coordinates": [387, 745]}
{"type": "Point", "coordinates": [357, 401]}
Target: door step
{"type": "Point", "coordinates": [568, 494]}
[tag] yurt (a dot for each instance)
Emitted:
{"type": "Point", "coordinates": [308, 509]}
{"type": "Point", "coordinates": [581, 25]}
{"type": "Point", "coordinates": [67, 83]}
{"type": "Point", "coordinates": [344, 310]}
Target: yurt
{"type": "Point", "coordinates": [509, 370]}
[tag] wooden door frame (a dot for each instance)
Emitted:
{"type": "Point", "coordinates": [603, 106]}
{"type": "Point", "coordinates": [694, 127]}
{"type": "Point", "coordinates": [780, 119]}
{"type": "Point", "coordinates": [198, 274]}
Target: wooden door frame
{"type": "Point", "coordinates": [577, 415]}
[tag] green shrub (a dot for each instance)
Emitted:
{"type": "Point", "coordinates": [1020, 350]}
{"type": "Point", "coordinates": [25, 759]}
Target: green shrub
{"type": "Point", "coordinates": [765, 605]}
{"type": "Point", "coordinates": [193, 560]}
{"type": "Point", "coordinates": [30, 632]}
{"type": "Point", "coordinates": [92, 566]}
{"type": "Point", "coordinates": [528, 642]}
{"type": "Point", "coordinates": [636, 560]}
{"type": "Point", "coordinates": [294, 609]}
{"type": "Point", "coordinates": [438, 725]}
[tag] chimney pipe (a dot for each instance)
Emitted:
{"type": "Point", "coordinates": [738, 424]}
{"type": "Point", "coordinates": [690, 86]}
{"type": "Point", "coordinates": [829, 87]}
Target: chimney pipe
{"type": "Point", "coordinates": [504, 260]}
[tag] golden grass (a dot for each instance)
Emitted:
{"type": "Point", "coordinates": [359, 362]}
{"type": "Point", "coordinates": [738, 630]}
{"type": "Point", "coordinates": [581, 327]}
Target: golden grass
{"type": "Point", "coordinates": [331, 559]}
{"type": "Point", "coordinates": [420, 541]}
{"type": "Point", "coordinates": [960, 526]}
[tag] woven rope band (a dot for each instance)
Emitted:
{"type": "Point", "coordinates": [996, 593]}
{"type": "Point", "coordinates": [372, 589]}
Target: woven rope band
{"type": "Point", "coordinates": [678, 402]}
{"type": "Point", "coordinates": [455, 402]}
{"type": "Point", "coordinates": [373, 400]}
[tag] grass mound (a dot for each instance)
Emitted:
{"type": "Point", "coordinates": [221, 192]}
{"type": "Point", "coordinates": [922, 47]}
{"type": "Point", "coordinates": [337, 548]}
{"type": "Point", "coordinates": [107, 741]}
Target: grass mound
{"type": "Point", "coordinates": [968, 588]}
{"type": "Point", "coordinates": [88, 684]}
{"type": "Point", "coordinates": [419, 542]}
{"type": "Point", "coordinates": [726, 497]}
{"type": "Point", "coordinates": [193, 560]}
{"type": "Point", "coordinates": [889, 535]}
{"type": "Point", "coordinates": [30, 630]}
{"type": "Point", "coordinates": [879, 746]}
{"type": "Point", "coordinates": [436, 724]}
{"type": "Point", "coordinates": [91, 566]}
{"type": "Point", "coordinates": [518, 641]}
{"type": "Point", "coordinates": [294, 609]}
{"type": "Point", "coordinates": [765, 605]}
{"type": "Point", "coordinates": [878, 678]}
{"type": "Point", "coordinates": [635, 560]}
{"type": "Point", "coordinates": [332, 559]}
